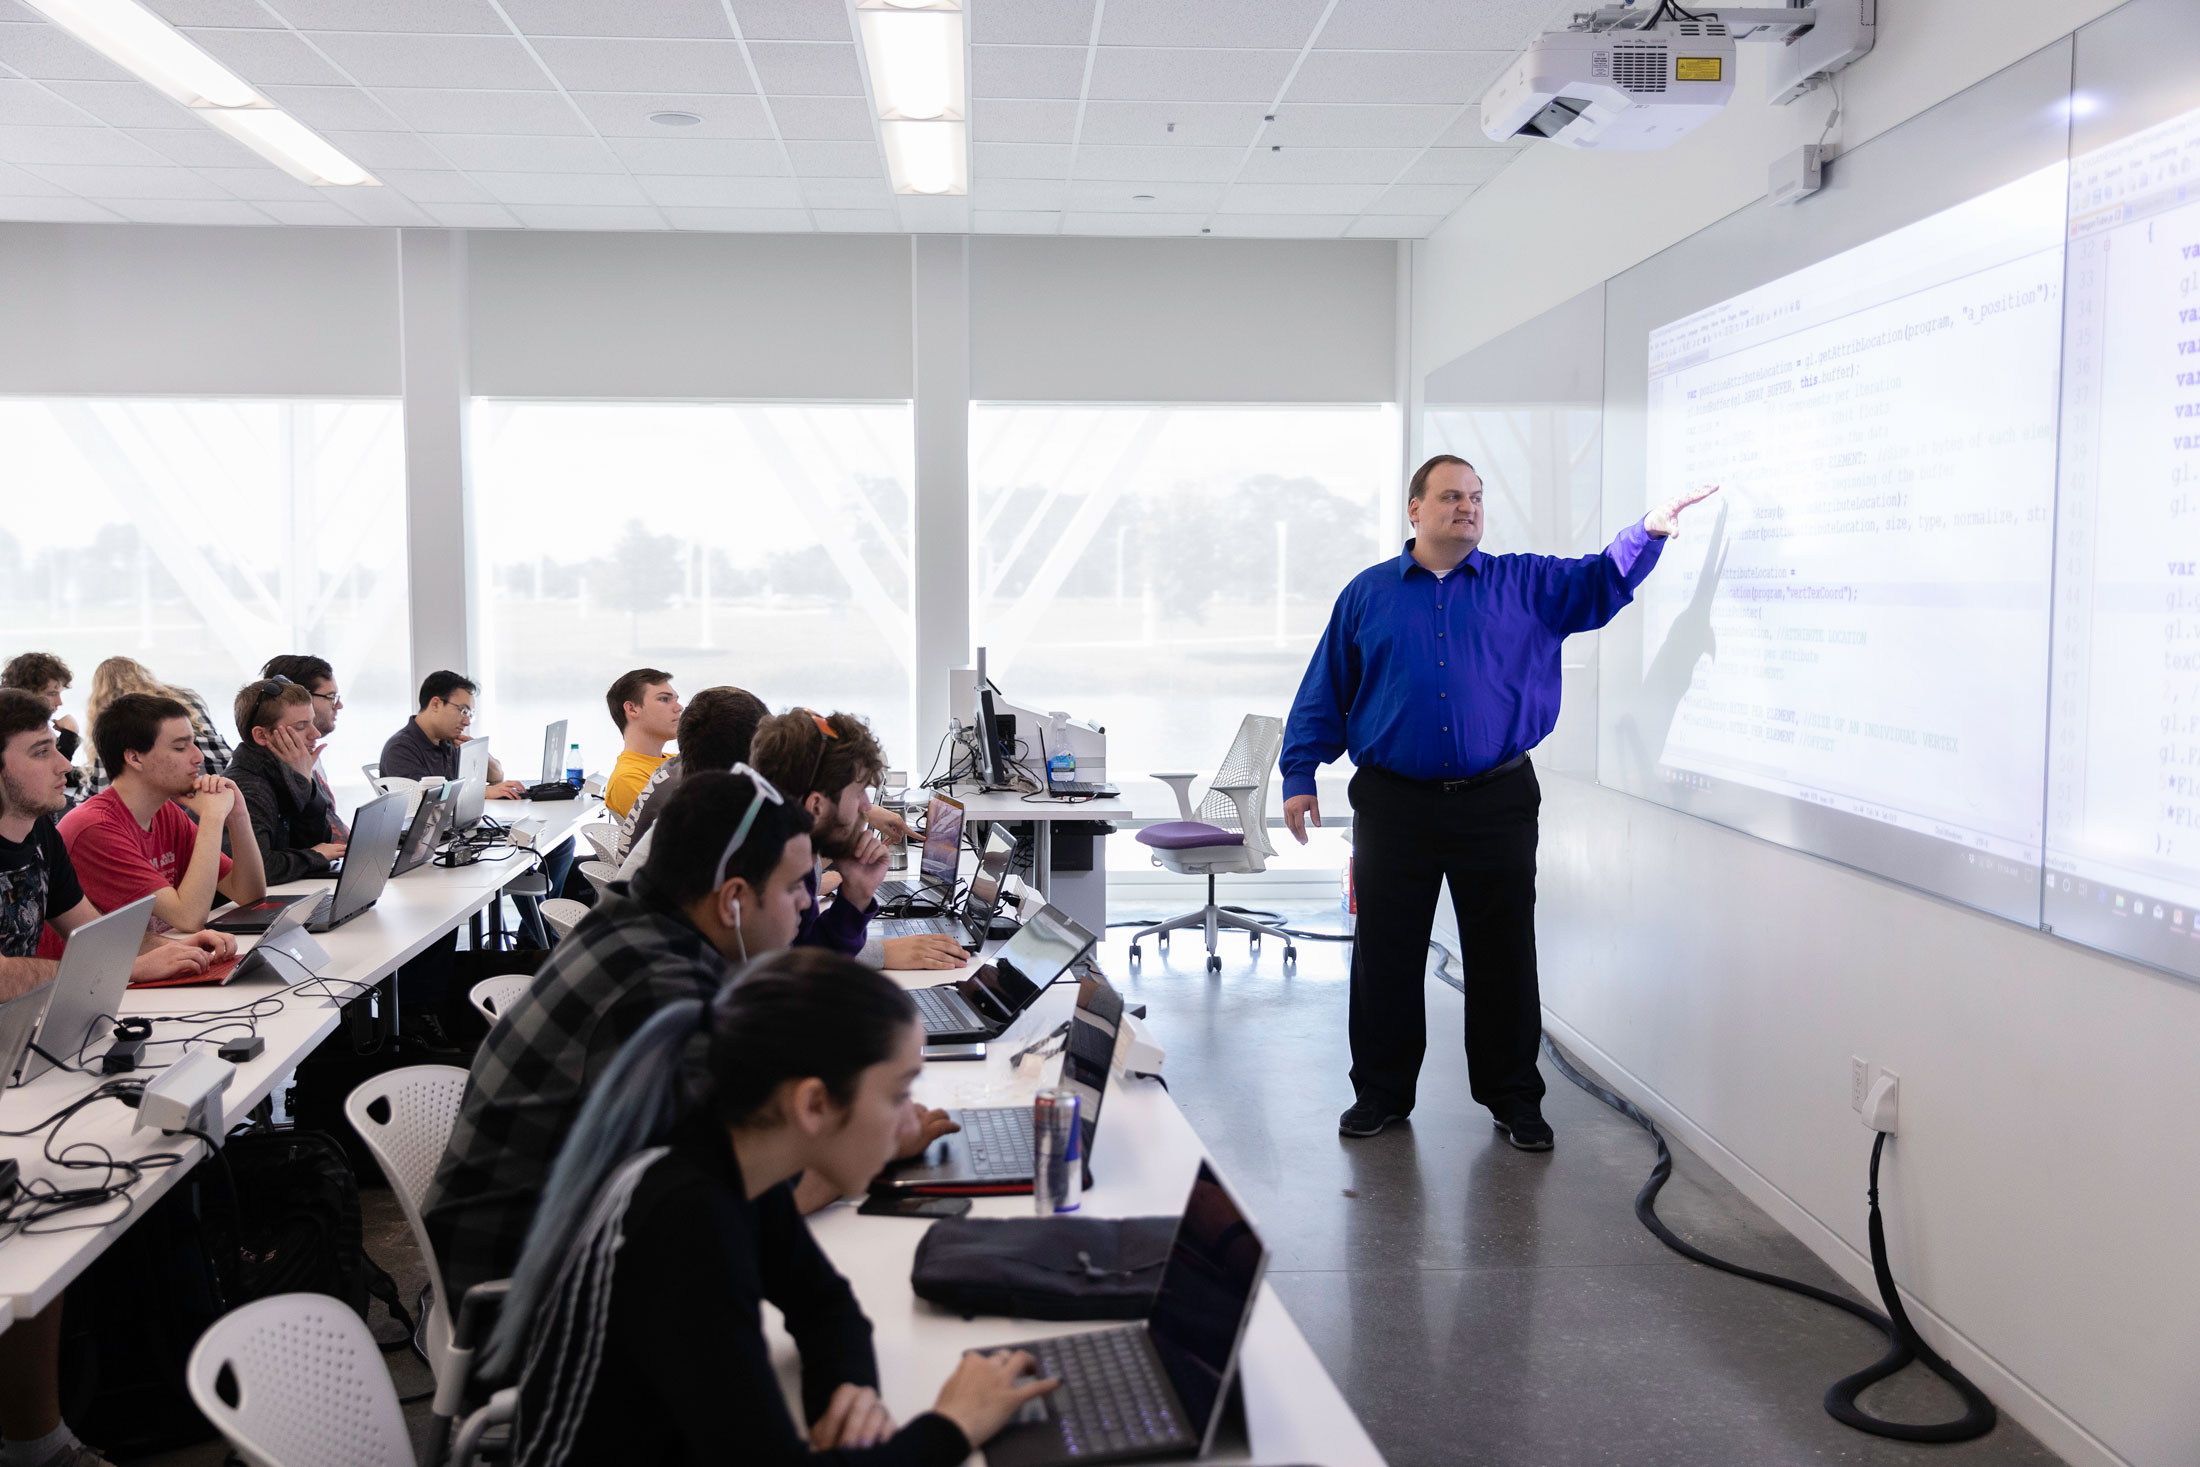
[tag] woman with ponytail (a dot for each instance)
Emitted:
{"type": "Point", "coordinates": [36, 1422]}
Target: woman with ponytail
{"type": "Point", "coordinates": [634, 1324]}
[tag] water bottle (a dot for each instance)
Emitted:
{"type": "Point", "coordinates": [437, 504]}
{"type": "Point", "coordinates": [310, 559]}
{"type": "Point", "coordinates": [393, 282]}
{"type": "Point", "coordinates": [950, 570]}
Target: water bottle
{"type": "Point", "coordinates": [1061, 768]}
{"type": "Point", "coordinates": [573, 765]}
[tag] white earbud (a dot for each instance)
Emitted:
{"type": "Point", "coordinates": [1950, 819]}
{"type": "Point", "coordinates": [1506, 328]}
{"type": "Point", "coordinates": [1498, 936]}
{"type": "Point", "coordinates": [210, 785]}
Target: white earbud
{"type": "Point", "coordinates": [737, 939]}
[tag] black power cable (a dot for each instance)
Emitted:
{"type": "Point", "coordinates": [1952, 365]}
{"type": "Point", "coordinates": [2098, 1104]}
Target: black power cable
{"type": "Point", "coordinates": [1903, 1344]}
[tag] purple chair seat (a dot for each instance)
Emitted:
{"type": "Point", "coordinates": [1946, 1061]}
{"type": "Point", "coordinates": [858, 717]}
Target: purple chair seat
{"type": "Point", "coordinates": [1184, 835]}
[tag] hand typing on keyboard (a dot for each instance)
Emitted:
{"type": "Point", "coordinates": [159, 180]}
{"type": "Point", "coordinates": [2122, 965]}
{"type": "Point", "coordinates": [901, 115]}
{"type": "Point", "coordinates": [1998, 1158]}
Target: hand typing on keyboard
{"type": "Point", "coordinates": [933, 952]}
{"type": "Point", "coordinates": [986, 1391]}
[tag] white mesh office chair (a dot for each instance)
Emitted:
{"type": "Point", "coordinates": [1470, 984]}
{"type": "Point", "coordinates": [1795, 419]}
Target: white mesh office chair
{"type": "Point", "coordinates": [603, 839]}
{"type": "Point", "coordinates": [563, 914]}
{"type": "Point", "coordinates": [1228, 836]}
{"type": "Point", "coordinates": [600, 875]}
{"type": "Point", "coordinates": [492, 996]}
{"type": "Point", "coordinates": [405, 1116]}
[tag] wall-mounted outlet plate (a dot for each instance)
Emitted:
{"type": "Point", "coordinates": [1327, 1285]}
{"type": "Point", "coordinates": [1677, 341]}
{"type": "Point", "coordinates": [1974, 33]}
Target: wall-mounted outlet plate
{"type": "Point", "coordinates": [1860, 1079]}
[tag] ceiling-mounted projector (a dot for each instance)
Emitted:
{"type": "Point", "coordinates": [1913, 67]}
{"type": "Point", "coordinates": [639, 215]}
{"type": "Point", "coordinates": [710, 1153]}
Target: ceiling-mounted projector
{"type": "Point", "coordinates": [1624, 78]}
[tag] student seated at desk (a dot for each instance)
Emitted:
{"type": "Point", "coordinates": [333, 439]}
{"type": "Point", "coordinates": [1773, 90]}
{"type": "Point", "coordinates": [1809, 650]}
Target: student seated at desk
{"type": "Point", "coordinates": [427, 746]}
{"type": "Point", "coordinates": [646, 711]}
{"type": "Point", "coordinates": [49, 678]}
{"type": "Point", "coordinates": [134, 838]}
{"type": "Point", "coordinates": [291, 813]}
{"type": "Point", "coordinates": [830, 763]}
{"type": "Point", "coordinates": [724, 883]}
{"type": "Point", "coordinates": [635, 1322]}
{"type": "Point", "coordinates": [319, 680]}
{"type": "Point", "coordinates": [715, 729]}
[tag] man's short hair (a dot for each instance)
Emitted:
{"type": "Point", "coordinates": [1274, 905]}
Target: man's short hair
{"type": "Point", "coordinates": [301, 668]}
{"type": "Point", "coordinates": [260, 704]}
{"type": "Point", "coordinates": [795, 754]}
{"type": "Point", "coordinates": [700, 817]}
{"type": "Point", "coordinates": [442, 684]}
{"type": "Point", "coordinates": [131, 725]}
{"type": "Point", "coordinates": [1418, 489]}
{"type": "Point", "coordinates": [34, 672]}
{"type": "Point", "coordinates": [629, 689]}
{"type": "Point", "coordinates": [21, 711]}
{"type": "Point", "coordinates": [718, 726]}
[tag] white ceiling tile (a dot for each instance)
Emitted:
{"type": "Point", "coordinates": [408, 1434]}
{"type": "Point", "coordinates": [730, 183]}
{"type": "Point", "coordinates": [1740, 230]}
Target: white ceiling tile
{"type": "Point", "coordinates": [823, 119]}
{"type": "Point", "coordinates": [1281, 226]}
{"type": "Point", "coordinates": [379, 61]}
{"type": "Point", "coordinates": [1327, 125]}
{"type": "Point", "coordinates": [837, 160]}
{"type": "Point", "coordinates": [1466, 132]}
{"type": "Point", "coordinates": [1325, 165]}
{"type": "Point", "coordinates": [201, 147]}
{"type": "Point", "coordinates": [344, 109]}
{"type": "Point", "coordinates": [49, 53]}
{"type": "Point", "coordinates": [16, 184]}
{"type": "Point", "coordinates": [1132, 224]}
{"type": "Point", "coordinates": [74, 145]}
{"type": "Point", "coordinates": [749, 157]}
{"type": "Point", "coordinates": [533, 114]}
{"type": "Point", "coordinates": [1421, 198]}
{"type": "Point", "coordinates": [246, 13]}
{"type": "Point", "coordinates": [472, 216]}
{"type": "Point", "coordinates": [680, 19]}
{"type": "Point", "coordinates": [1280, 24]}
{"type": "Point", "coordinates": [1017, 221]}
{"type": "Point", "coordinates": [1012, 120]}
{"type": "Point", "coordinates": [1022, 160]}
{"type": "Point", "coordinates": [1018, 193]}
{"type": "Point", "coordinates": [1397, 76]}
{"type": "Point", "coordinates": [315, 213]}
{"type": "Point", "coordinates": [126, 104]}
{"type": "Point", "coordinates": [1140, 74]}
{"type": "Point", "coordinates": [570, 216]}
{"type": "Point", "coordinates": [561, 188]}
{"type": "Point", "coordinates": [378, 206]}
{"type": "Point", "coordinates": [262, 183]}
{"type": "Point", "coordinates": [1196, 165]}
{"type": "Point", "coordinates": [165, 182]}
{"type": "Point", "coordinates": [627, 114]}
{"type": "Point", "coordinates": [795, 20]}
{"type": "Point", "coordinates": [630, 65]}
{"type": "Point", "coordinates": [1440, 25]}
{"type": "Point", "coordinates": [54, 211]}
{"type": "Point", "coordinates": [496, 153]}
{"type": "Point", "coordinates": [1309, 198]}
{"type": "Point", "coordinates": [428, 187]}
{"type": "Point", "coordinates": [807, 68]}
{"type": "Point", "coordinates": [408, 17]}
{"type": "Point", "coordinates": [1168, 198]}
{"type": "Point", "coordinates": [188, 211]}
{"type": "Point", "coordinates": [1177, 124]}
{"type": "Point", "coordinates": [723, 193]}
{"type": "Point", "coordinates": [1032, 23]}
{"type": "Point", "coordinates": [934, 215]}
{"type": "Point", "coordinates": [377, 151]}
{"type": "Point", "coordinates": [268, 58]}
{"type": "Point", "coordinates": [1458, 165]}
{"type": "Point", "coordinates": [847, 193]}
{"type": "Point", "coordinates": [27, 104]}
{"type": "Point", "coordinates": [1394, 226]}
{"type": "Point", "coordinates": [1026, 71]}
{"type": "Point", "coordinates": [742, 221]}
{"type": "Point", "coordinates": [857, 221]}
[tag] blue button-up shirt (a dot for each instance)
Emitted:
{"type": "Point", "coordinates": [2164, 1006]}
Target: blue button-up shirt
{"type": "Point", "coordinates": [1442, 677]}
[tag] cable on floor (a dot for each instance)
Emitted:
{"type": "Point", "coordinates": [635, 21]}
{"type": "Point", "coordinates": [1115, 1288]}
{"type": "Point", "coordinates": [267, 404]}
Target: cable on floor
{"type": "Point", "coordinates": [1903, 1343]}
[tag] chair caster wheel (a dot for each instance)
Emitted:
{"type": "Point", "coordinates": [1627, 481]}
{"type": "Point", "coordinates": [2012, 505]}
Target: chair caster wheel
{"type": "Point", "coordinates": [1214, 963]}
{"type": "Point", "coordinates": [1291, 955]}
{"type": "Point", "coordinates": [1134, 952]}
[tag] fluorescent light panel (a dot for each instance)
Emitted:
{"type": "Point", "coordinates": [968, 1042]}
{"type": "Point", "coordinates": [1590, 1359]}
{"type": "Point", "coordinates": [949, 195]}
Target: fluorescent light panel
{"type": "Point", "coordinates": [920, 91]}
{"type": "Point", "coordinates": [140, 42]}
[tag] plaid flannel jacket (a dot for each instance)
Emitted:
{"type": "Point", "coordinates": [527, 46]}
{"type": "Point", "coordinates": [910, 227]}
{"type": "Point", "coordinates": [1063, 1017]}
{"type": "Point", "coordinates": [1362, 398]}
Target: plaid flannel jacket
{"type": "Point", "coordinates": [630, 956]}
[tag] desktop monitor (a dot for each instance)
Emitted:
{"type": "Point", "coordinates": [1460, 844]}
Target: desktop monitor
{"type": "Point", "coordinates": [553, 753]}
{"type": "Point", "coordinates": [473, 784]}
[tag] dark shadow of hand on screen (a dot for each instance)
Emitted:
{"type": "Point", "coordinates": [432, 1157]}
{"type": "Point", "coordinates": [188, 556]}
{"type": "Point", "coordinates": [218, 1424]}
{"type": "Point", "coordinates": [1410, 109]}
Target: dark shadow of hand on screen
{"type": "Point", "coordinates": [1671, 672]}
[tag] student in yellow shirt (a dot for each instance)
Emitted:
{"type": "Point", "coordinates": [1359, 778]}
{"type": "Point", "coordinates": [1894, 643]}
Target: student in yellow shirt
{"type": "Point", "coordinates": [647, 711]}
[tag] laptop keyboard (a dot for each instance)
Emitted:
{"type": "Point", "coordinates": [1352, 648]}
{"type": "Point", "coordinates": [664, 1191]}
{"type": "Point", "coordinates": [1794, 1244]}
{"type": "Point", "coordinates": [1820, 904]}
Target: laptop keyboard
{"type": "Point", "coordinates": [1111, 1399]}
{"type": "Point", "coordinates": [997, 1139]}
{"type": "Point", "coordinates": [916, 927]}
{"type": "Point", "coordinates": [1079, 787]}
{"type": "Point", "coordinates": [944, 1011]}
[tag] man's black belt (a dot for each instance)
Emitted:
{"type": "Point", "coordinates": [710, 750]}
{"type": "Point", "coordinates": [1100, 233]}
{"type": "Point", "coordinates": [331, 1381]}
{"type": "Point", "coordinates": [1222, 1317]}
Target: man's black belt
{"type": "Point", "coordinates": [1454, 786]}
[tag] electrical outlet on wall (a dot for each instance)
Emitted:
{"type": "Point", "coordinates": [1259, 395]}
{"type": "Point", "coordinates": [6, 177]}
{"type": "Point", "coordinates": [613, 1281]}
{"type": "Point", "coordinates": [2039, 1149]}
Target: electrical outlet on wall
{"type": "Point", "coordinates": [1860, 1079]}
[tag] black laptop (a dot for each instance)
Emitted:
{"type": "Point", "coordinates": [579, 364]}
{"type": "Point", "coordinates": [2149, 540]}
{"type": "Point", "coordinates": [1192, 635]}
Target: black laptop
{"type": "Point", "coordinates": [988, 1001]}
{"type": "Point", "coordinates": [431, 822]}
{"type": "Point", "coordinates": [368, 857]}
{"type": "Point", "coordinates": [1156, 1388]}
{"type": "Point", "coordinates": [973, 923]}
{"type": "Point", "coordinates": [992, 1153]}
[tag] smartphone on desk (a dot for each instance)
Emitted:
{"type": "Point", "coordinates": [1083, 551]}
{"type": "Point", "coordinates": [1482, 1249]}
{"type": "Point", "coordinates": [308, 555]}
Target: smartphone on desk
{"type": "Point", "coordinates": [955, 1051]}
{"type": "Point", "coordinates": [888, 1204]}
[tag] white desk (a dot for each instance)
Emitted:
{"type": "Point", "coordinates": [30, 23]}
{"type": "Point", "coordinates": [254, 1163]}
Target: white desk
{"type": "Point", "coordinates": [1144, 1157]}
{"type": "Point", "coordinates": [1081, 894]}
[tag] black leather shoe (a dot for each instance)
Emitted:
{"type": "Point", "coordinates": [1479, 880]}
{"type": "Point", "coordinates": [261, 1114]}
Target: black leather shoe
{"type": "Point", "coordinates": [1528, 1131]}
{"type": "Point", "coordinates": [1367, 1117]}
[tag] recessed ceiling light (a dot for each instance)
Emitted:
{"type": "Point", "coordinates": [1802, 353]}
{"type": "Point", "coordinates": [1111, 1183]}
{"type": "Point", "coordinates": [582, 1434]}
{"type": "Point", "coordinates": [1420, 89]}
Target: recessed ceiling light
{"type": "Point", "coordinates": [913, 50]}
{"type": "Point", "coordinates": [1141, 198]}
{"type": "Point", "coordinates": [674, 119]}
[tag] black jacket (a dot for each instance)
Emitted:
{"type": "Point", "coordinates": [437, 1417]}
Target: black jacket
{"type": "Point", "coordinates": [290, 814]}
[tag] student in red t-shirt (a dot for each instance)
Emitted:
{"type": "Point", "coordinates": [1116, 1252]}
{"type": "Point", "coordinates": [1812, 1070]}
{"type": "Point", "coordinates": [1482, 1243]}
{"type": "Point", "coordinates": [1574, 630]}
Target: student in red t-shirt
{"type": "Point", "coordinates": [134, 838]}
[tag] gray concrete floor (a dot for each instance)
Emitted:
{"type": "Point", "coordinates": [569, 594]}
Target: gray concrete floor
{"type": "Point", "coordinates": [1477, 1305]}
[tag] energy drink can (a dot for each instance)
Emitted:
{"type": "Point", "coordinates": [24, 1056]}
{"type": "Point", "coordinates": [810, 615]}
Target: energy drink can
{"type": "Point", "coordinates": [1058, 1153]}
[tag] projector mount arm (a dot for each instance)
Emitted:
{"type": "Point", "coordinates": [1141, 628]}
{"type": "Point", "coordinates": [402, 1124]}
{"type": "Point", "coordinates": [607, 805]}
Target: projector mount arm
{"type": "Point", "coordinates": [1779, 23]}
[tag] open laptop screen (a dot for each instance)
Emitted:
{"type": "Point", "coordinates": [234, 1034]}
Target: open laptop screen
{"type": "Point", "coordinates": [473, 784]}
{"type": "Point", "coordinates": [369, 855]}
{"type": "Point", "coordinates": [553, 752]}
{"type": "Point", "coordinates": [1206, 1295]}
{"type": "Point", "coordinates": [943, 834]}
{"type": "Point", "coordinates": [985, 883]}
{"type": "Point", "coordinates": [1040, 952]}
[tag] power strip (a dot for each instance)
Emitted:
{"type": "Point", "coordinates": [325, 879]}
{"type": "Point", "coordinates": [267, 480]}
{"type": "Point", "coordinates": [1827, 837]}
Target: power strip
{"type": "Point", "coordinates": [182, 1097]}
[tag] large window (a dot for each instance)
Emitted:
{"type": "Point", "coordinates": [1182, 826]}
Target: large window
{"type": "Point", "coordinates": [763, 546]}
{"type": "Point", "coordinates": [1165, 571]}
{"type": "Point", "coordinates": [202, 537]}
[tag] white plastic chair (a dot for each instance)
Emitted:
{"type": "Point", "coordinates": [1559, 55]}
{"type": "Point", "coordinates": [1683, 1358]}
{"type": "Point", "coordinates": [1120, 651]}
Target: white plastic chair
{"type": "Point", "coordinates": [492, 996]}
{"type": "Point", "coordinates": [1228, 835]}
{"type": "Point", "coordinates": [600, 875]}
{"type": "Point", "coordinates": [603, 838]}
{"type": "Point", "coordinates": [563, 914]}
{"type": "Point", "coordinates": [296, 1380]}
{"type": "Point", "coordinates": [418, 1106]}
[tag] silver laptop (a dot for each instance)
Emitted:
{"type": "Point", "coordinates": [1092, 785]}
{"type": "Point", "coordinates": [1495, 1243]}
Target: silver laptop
{"type": "Point", "coordinates": [19, 1018]}
{"type": "Point", "coordinates": [87, 992]}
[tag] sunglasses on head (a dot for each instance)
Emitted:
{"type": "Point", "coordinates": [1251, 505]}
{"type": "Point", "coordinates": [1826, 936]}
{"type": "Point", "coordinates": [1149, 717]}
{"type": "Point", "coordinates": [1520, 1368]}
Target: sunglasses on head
{"type": "Point", "coordinates": [764, 791]}
{"type": "Point", "coordinates": [830, 737]}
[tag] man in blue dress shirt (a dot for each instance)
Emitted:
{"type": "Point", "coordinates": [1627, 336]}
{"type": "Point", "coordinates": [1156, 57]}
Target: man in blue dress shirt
{"type": "Point", "coordinates": [1439, 671]}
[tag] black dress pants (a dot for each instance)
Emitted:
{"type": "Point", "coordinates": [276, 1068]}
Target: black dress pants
{"type": "Point", "coordinates": [1407, 838]}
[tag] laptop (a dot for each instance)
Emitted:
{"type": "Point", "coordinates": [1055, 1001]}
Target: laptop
{"type": "Point", "coordinates": [473, 784]}
{"type": "Point", "coordinates": [973, 923]}
{"type": "Point", "coordinates": [19, 1018]}
{"type": "Point", "coordinates": [431, 822]}
{"type": "Point", "coordinates": [1157, 1388]}
{"type": "Point", "coordinates": [987, 1002]}
{"type": "Point", "coordinates": [368, 859]}
{"type": "Point", "coordinates": [553, 785]}
{"type": "Point", "coordinates": [991, 1154]}
{"type": "Point", "coordinates": [86, 994]}
{"type": "Point", "coordinates": [936, 873]}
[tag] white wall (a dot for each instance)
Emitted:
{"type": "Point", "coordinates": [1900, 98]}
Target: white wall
{"type": "Point", "coordinates": [2042, 1193]}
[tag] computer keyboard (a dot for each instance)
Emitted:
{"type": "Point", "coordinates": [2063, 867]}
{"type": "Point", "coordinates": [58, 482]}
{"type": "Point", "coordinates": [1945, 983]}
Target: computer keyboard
{"type": "Point", "coordinates": [944, 1011]}
{"type": "Point", "coordinates": [1111, 1399]}
{"type": "Point", "coordinates": [1081, 787]}
{"type": "Point", "coordinates": [997, 1139]}
{"type": "Point", "coordinates": [916, 927]}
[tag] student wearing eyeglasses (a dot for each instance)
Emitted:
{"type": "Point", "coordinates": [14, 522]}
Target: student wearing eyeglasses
{"type": "Point", "coordinates": [273, 768]}
{"type": "Point", "coordinates": [319, 680]}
